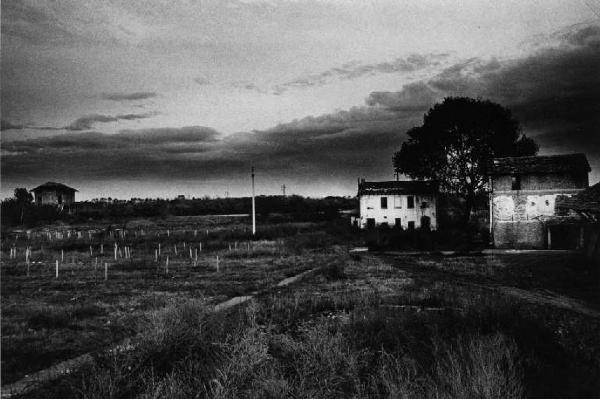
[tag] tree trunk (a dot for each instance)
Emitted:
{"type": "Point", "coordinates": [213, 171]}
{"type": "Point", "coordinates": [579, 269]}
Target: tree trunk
{"type": "Point", "coordinates": [468, 208]}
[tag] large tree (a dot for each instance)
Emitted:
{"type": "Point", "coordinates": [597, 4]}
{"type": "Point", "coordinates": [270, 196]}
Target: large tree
{"type": "Point", "coordinates": [455, 143]}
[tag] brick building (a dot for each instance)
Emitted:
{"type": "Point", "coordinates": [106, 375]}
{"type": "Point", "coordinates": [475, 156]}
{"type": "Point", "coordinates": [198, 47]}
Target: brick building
{"type": "Point", "coordinates": [523, 197]}
{"type": "Point", "coordinates": [403, 204]}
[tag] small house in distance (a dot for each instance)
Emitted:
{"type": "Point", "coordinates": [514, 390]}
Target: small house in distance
{"type": "Point", "coordinates": [51, 193]}
{"type": "Point", "coordinates": [405, 204]}
{"type": "Point", "coordinates": [523, 196]}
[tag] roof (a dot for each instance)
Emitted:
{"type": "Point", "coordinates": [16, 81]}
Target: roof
{"type": "Point", "coordinates": [53, 186]}
{"type": "Point", "coordinates": [587, 200]}
{"type": "Point", "coordinates": [540, 164]}
{"type": "Point", "coordinates": [397, 187]}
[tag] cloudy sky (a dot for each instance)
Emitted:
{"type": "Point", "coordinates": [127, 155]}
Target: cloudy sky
{"type": "Point", "coordinates": [154, 98]}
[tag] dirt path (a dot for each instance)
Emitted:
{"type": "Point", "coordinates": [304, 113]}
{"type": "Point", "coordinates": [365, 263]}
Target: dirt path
{"type": "Point", "coordinates": [548, 298]}
{"type": "Point", "coordinates": [534, 296]}
{"type": "Point", "coordinates": [34, 380]}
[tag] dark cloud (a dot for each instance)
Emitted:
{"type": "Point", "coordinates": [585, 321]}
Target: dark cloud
{"type": "Point", "coordinates": [202, 81]}
{"type": "Point", "coordinates": [140, 95]}
{"type": "Point", "coordinates": [355, 70]}
{"type": "Point", "coordinates": [87, 122]}
{"type": "Point", "coordinates": [6, 125]}
{"type": "Point", "coordinates": [555, 92]}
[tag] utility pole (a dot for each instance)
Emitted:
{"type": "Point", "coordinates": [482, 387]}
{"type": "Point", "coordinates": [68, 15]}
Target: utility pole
{"type": "Point", "coordinates": [253, 206]}
{"type": "Point", "coordinates": [283, 189]}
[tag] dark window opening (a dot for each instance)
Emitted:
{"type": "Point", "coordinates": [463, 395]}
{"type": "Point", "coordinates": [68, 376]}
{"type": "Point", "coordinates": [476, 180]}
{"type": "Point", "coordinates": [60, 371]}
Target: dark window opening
{"type": "Point", "coordinates": [410, 202]}
{"type": "Point", "coordinates": [383, 202]}
{"type": "Point", "coordinates": [398, 222]}
{"type": "Point", "coordinates": [370, 223]}
{"type": "Point", "coordinates": [516, 182]}
{"type": "Point", "coordinates": [411, 225]}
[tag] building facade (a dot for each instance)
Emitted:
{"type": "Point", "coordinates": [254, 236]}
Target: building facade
{"type": "Point", "coordinates": [402, 204]}
{"type": "Point", "coordinates": [583, 210]}
{"type": "Point", "coordinates": [523, 196]}
{"type": "Point", "coordinates": [51, 193]}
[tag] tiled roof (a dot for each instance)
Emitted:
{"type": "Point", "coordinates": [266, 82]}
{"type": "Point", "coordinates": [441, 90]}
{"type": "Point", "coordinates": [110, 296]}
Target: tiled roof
{"type": "Point", "coordinates": [586, 201]}
{"type": "Point", "coordinates": [397, 187]}
{"type": "Point", "coordinates": [540, 164]}
{"type": "Point", "coordinates": [53, 186]}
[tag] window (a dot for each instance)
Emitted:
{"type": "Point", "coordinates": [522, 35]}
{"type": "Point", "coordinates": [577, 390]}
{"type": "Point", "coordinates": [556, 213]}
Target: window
{"type": "Point", "coordinates": [383, 202]}
{"type": "Point", "coordinates": [410, 202]}
{"type": "Point", "coordinates": [398, 222]}
{"type": "Point", "coordinates": [370, 223]}
{"type": "Point", "coordinates": [411, 225]}
{"type": "Point", "coordinates": [516, 182]}
{"type": "Point", "coordinates": [397, 202]}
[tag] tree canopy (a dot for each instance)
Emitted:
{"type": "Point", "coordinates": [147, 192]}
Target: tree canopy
{"type": "Point", "coordinates": [455, 143]}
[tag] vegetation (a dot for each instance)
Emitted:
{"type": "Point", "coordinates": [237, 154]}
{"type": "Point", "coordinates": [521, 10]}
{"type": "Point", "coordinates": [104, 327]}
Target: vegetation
{"type": "Point", "coordinates": [274, 208]}
{"type": "Point", "coordinates": [457, 140]}
{"type": "Point", "coordinates": [376, 330]}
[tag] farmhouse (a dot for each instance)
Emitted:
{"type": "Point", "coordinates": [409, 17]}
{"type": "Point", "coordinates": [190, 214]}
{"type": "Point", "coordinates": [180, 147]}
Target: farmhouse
{"type": "Point", "coordinates": [51, 193]}
{"type": "Point", "coordinates": [523, 197]}
{"type": "Point", "coordinates": [405, 204]}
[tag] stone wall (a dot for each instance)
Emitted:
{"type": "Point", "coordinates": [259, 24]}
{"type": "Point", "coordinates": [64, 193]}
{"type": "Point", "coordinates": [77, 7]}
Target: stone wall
{"type": "Point", "coordinates": [521, 234]}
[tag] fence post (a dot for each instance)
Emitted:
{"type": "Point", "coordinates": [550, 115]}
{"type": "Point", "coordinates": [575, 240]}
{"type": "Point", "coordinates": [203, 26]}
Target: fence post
{"type": "Point", "coordinates": [57, 268]}
{"type": "Point", "coordinates": [167, 265]}
{"type": "Point", "coordinates": [217, 263]}
{"type": "Point", "coordinates": [105, 271]}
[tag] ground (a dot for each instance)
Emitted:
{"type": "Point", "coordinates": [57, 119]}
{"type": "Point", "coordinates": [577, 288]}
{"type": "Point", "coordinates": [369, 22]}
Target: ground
{"type": "Point", "coordinates": [360, 325]}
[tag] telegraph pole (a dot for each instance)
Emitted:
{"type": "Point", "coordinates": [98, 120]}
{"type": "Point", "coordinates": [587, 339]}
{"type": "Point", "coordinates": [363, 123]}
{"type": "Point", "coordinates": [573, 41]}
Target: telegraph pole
{"type": "Point", "coordinates": [283, 189]}
{"type": "Point", "coordinates": [253, 206]}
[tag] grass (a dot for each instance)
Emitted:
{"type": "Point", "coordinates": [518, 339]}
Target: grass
{"type": "Point", "coordinates": [47, 319]}
{"type": "Point", "coordinates": [367, 330]}
{"type": "Point", "coordinates": [360, 327]}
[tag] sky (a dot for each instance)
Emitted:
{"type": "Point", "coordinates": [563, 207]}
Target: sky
{"type": "Point", "coordinates": [122, 98]}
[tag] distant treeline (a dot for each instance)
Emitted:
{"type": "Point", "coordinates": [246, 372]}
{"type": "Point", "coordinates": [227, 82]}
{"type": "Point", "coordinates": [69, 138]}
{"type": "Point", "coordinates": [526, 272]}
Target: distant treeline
{"type": "Point", "coordinates": [17, 212]}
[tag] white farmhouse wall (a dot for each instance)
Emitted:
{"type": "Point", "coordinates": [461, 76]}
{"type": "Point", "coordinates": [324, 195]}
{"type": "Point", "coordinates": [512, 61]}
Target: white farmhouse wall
{"type": "Point", "coordinates": [370, 208]}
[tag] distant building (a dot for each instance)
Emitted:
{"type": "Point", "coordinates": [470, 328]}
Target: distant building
{"type": "Point", "coordinates": [523, 197]}
{"type": "Point", "coordinates": [51, 193]}
{"type": "Point", "coordinates": [405, 204]}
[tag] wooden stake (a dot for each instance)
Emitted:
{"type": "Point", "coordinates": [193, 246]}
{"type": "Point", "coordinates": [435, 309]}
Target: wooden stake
{"type": "Point", "coordinates": [159, 249]}
{"type": "Point", "coordinates": [91, 252]}
{"type": "Point", "coordinates": [62, 255]}
{"type": "Point", "coordinates": [156, 255]}
{"type": "Point", "coordinates": [167, 265]}
{"type": "Point", "coordinates": [105, 271]}
{"type": "Point", "coordinates": [102, 249]}
{"type": "Point", "coordinates": [57, 268]}
{"type": "Point", "coordinates": [116, 248]}
{"type": "Point", "coordinates": [217, 263]}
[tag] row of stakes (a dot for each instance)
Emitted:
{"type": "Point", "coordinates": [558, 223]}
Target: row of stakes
{"type": "Point", "coordinates": [126, 253]}
{"type": "Point", "coordinates": [58, 235]}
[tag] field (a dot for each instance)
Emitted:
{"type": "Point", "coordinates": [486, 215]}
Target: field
{"type": "Point", "coordinates": [360, 325]}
